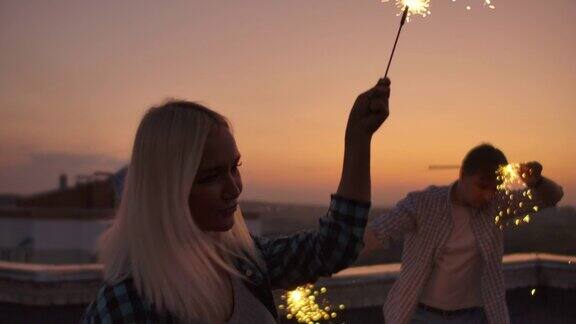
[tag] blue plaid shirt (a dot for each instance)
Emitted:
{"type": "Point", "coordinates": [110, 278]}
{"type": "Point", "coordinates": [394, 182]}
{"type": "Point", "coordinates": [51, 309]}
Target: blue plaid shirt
{"type": "Point", "coordinates": [290, 261]}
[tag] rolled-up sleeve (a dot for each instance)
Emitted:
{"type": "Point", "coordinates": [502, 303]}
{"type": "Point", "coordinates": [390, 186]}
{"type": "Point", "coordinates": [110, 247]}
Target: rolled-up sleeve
{"type": "Point", "coordinates": [304, 257]}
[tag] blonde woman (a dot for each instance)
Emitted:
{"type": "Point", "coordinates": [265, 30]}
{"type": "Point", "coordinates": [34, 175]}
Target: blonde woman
{"type": "Point", "coordinates": [179, 250]}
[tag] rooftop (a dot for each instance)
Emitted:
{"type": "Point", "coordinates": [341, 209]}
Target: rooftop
{"type": "Point", "coordinates": [28, 288]}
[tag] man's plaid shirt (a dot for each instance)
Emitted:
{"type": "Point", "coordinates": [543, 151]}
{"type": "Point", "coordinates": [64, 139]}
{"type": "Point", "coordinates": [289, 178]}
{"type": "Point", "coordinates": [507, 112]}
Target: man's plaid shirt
{"type": "Point", "coordinates": [423, 220]}
{"type": "Point", "coordinates": [290, 261]}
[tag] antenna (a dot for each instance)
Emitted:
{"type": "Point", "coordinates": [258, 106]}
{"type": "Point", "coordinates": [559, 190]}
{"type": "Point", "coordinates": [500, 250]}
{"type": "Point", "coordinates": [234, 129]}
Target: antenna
{"type": "Point", "coordinates": [436, 167]}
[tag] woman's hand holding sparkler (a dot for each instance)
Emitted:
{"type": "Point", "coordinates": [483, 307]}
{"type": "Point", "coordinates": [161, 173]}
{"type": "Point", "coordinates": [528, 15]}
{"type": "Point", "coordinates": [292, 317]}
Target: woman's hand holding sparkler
{"type": "Point", "coordinates": [370, 110]}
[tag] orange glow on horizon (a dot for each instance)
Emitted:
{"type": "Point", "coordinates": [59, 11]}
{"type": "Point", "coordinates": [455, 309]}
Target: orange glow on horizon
{"type": "Point", "coordinates": [77, 80]}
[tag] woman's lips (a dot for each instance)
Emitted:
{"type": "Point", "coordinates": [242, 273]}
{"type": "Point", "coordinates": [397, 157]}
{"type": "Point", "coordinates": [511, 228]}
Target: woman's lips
{"type": "Point", "coordinates": [229, 211]}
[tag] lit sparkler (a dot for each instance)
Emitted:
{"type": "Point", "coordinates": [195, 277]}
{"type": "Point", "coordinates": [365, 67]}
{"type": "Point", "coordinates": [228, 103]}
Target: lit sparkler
{"type": "Point", "coordinates": [408, 7]}
{"type": "Point", "coordinates": [413, 7]}
{"type": "Point", "coordinates": [422, 7]}
{"type": "Point", "coordinates": [518, 201]}
{"type": "Point", "coordinates": [302, 305]}
{"type": "Point", "coordinates": [402, 22]}
{"type": "Point", "coordinates": [419, 8]}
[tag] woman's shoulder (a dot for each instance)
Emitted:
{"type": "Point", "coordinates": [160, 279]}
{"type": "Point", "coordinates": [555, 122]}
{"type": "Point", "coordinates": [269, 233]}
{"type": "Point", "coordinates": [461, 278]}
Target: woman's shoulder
{"type": "Point", "coordinates": [120, 303]}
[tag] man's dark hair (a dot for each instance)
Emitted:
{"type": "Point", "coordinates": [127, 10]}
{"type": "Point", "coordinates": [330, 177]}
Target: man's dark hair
{"type": "Point", "coordinates": [484, 159]}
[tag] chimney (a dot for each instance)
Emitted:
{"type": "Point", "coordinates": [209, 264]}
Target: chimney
{"type": "Point", "coordinates": [63, 181]}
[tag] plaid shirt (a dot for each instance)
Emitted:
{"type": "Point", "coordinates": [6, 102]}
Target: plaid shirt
{"type": "Point", "coordinates": [290, 261]}
{"type": "Point", "coordinates": [423, 221]}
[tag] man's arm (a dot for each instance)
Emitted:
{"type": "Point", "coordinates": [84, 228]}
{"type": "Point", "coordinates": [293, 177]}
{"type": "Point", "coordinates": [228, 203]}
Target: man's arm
{"type": "Point", "coordinates": [541, 192]}
{"type": "Point", "coordinates": [392, 225]}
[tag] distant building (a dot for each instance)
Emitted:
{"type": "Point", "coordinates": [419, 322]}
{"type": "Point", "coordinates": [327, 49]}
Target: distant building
{"type": "Point", "coordinates": [55, 235]}
{"type": "Point", "coordinates": [63, 225]}
{"type": "Point", "coordinates": [8, 200]}
{"type": "Point", "coordinates": [58, 226]}
{"type": "Point", "coordinates": [90, 192]}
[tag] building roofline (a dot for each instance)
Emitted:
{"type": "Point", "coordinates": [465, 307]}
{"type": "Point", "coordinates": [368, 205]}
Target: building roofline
{"type": "Point", "coordinates": [56, 213]}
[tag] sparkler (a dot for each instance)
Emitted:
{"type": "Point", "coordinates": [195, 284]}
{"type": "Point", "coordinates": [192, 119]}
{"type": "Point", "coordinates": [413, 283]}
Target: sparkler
{"type": "Point", "coordinates": [302, 305]}
{"type": "Point", "coordinates": [420, 8]}
{"type": "Point", "coordinates": [517, 202]}
{"type": "Point", "coordinates": [413, 7]}
{"type": "Point", "coordinates": [410, 7]}
{"type": "Point", "coordinates": [404, 15]}
{"type": "Point", "coordinates": [512, 189]}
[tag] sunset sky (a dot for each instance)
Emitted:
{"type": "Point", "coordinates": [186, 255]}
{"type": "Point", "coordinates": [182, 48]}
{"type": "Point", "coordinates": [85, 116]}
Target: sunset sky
{"type": "Point", "coordinates": [76, 77]}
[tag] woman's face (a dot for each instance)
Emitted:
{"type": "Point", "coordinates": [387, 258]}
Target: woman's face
{"type": "Point", "coordinates": [214, 195]}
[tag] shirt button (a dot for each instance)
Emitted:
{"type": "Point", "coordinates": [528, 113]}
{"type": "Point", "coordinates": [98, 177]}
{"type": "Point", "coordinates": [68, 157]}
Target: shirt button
{"type": "Point", "coordinates": [248, 273]}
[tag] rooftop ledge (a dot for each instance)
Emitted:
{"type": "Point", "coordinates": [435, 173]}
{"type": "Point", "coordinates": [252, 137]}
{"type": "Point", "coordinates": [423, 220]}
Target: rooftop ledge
{"type": "Point", "coordinates": [363, 286]}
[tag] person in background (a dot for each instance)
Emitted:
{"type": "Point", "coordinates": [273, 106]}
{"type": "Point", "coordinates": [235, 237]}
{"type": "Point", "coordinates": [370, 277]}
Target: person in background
{"type": "Point", "coordinates": [452, 258]}
{"type": "Point", "coordinates": [179, 250]}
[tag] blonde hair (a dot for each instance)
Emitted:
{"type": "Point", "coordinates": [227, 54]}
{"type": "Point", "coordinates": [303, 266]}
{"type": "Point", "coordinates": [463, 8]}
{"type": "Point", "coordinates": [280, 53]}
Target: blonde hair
{"type": "Point", "coordinates": [175, 266]}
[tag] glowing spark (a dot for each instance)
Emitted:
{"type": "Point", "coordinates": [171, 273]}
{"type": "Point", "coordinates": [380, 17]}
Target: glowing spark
{"type": "Point", "coordinates": [486, 3]}
{"type": "Point", "coordinates": [295, 296]}
{"type": "Point", "coordinates": [489, 4]}
{"type": "Point", "coordinates": [516, 198]}
{"type": "Point", "coordinates": [508, 176]}
{"type": "Point", "coordinates": [415, 7]}
{"type": "Point", "coordinates": [526, 219]}
{"type": "Point", "coordinates": [302, 305]}
{"type": "Point", "coordinates": [422, 7]}
{"type": "Point", "coordinates": [532, 292]}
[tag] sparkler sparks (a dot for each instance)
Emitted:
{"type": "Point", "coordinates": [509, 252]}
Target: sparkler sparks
{"type": "Point", "coordinates": [486, 3]}
{"type": "Point", "coordinates": [302, 305]}
{"type": "Point", "coordinates": [517, 202]}
{"type": "Point", "coordinates": [422, 7]}
{"type": "Point", "coordinates": [415, 7]}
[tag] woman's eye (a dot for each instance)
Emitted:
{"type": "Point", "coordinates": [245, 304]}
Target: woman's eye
{"type": "Point", "coordinates": [208, 178]}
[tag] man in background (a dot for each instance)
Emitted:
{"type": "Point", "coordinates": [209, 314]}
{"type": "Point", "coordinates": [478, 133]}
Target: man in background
{"type": "Point", "coordinates": [452, 257]}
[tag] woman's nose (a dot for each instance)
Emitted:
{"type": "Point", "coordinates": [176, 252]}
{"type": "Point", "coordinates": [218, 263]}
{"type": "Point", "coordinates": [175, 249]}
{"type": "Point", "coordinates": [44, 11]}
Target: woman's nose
{"type": "Point", "coordinates": [232, 187]}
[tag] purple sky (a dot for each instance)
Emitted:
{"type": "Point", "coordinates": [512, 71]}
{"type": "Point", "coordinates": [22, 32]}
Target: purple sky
{"type": "Point", "coordinates": [76, 76]}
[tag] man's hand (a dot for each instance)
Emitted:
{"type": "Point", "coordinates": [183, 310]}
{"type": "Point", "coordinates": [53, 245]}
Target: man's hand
{"type": "Point", "coordinates": [547, 191]}
{"type": "Point", "coordinates": [370, 110]}
{"type": "Point", "coordinates": [531, 173]}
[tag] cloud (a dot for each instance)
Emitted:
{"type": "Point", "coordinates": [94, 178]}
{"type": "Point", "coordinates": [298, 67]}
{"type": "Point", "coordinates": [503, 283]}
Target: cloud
{"type": "Point", "coordinates": [39, 171]}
